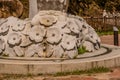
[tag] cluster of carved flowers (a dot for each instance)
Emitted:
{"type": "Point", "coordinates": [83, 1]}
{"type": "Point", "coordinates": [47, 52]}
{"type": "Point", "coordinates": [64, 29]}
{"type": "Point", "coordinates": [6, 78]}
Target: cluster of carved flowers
{"type": "Point", "coordinates": [48, 34]}
{"type": "Point", "coordinates": [14, 39]}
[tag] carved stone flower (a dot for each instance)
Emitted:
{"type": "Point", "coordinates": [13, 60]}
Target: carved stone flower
{"type": "Point", "coordinates": [73, 26]}
{"type": "Point", "coordinates": [11, 21]}
{"type": "Point", "coordinates": [53, 35]}
{"type": "Point", "coordinates": [34, 49]}
{"type": "Point", "coordinates": [68, 42]}
{"type": "Point", "coordinates": [72, 53]}
{"type": "Point", "coordinates": [88, 46]}
{"type": "Point", "coordinates": [14, 39]}
{"type": "Point", "coordinates": [9, 51]}
{"type": "Point", "coordinates": [37, 33]}
{"type": "Point", "coordinates": [4, 29]}
{"type": "Point", "coordinates": [48, 20]}
{"type": "Point", "coordinates": [19, 26]}
{"type": "Point", "coordinates": [19, 51]}
{"type": "Point", "coordinates": [58, 52]}
{"type": "Point", "coordinates": [25, 41]}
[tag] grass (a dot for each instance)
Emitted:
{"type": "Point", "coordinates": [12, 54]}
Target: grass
{"type": "Point", "coordinates": [82, 50]}
{"type": "Point", "coordinates": [79, 72]}
{"type": "Point", "coordinates": [15, 76]}
{"type": "Point", "coordinates": [101, 33]}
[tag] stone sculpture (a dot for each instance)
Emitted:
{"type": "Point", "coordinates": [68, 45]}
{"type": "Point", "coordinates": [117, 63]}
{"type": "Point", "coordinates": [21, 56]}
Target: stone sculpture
{"type": "Point", "coordinates": [49, 33]}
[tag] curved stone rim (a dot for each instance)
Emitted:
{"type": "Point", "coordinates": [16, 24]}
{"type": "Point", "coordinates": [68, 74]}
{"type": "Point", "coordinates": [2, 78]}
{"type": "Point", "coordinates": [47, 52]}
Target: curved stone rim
{"type": "Point", "coordinates": [108, 50]}
{"type": "Point", "coordinates": [51, 67]}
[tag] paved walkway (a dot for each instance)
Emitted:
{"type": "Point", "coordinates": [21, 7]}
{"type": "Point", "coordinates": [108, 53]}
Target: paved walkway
{"type": "Point", "coordinates": [108, 39]}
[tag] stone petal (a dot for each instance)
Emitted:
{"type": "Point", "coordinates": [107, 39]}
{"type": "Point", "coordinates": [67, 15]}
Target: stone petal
{"type": "Point", "coordinates": [49, 50]}
{"type": "Point", "coordinates": [30, 51]}
{"type": "Point", "coordinates": [14, 39]}
{"type": "Point", "coordinates": [85, 29]}
{"type": "Point", "coordinates": [40, 50]}
{"type": "Point", "coordinates": [27, 29]}
{"type": "Point", "coordinates": [58, 51]}
{"type": "Point", "coordinates": [4, 29]}
{"type": "Point", "coordinates": [79, 23]}
{"type": "Point", "coordinates": [9, 51]}
{"type": "Point", "coordinates": [11, 21]}
{"type": "Point", "coordinates": [25, 41]}
{"type": "Point", "coordinates": [19, 26]}
{"type": "Point", "coordinates": [60, 25]}
{"type": "Point", "coordinates": [53, 35]}
{"type": "Point", "coordinates": [72, 53]}
{"type": "Point", "coordinates": [19, 51]}
{"type": "Point", "coordinates": [73, 26]}
{"type": "Point", "coordinates": [37, 33]}
{"type": "Point", "coordinates": [62, 18]}
{"type": "Point", "coordinates": [66, 30]}
{"type": "Point", "coordinates": [48, 20]}
{"type": "Point", "coordinates": [3, 20]}
{"type": "Point", "coordinates": [2, 45]}
{"type": "Point", "coordinates": [89, 46]}
{"type": "Point", "coordinates": [34, 49]}
{"type": "Point", "coordinates": [68, 42]}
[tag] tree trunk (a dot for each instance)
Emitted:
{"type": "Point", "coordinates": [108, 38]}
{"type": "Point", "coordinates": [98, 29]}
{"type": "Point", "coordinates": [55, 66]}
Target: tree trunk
{"type": "Point", "coordinates": [37, 5]}
{"type": "Point", "coordinates": [32, 8]}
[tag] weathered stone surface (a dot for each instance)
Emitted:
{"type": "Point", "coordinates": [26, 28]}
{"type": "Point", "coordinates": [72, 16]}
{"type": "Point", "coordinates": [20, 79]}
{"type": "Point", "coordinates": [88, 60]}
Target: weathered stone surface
{"type": "Point", "coordinates": [68, 42]}
{"type": "Point", "coordinates": [25, 41]}
{"type": "Point", "coordinates": [35, 20]}
{"type": "Point", "coordinates": [14, 39]}
{"type": "Point", "coordinates": [58, 51]}
{"type": "Point", "coordinates": [88, 46]}
{"type": "Point", "coordinates": [19, 51]}
{"type": "Point", "coordinates": [4, 29]}
{"type": "Point", "coordinates": [48, 34]}
{"type": "Point", "coordinates": [53, 35]}
{"type": "Point", "coordinates": [34, 49]}
{"type": "Point", "coordinates": [2, 45]}
{"type": "Point", "coordinates": [19, 26]}
{"type": "Point", "coordinates": [73, 26]}
{"type": "Point", "coordinates": [9, 51]}
{"type": "Point", "coordinates": [72, 53]}
{"type": "Point", "coordinates": [47, 20]}
{"type": "Point", "coordinates": [37, 33]}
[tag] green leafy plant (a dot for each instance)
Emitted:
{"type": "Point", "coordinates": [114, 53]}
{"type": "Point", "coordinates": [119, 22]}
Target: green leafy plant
{"type": "Point", "coordinates": [82, 50]}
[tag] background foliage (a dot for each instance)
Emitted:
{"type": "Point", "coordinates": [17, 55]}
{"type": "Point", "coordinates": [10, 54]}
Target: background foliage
{"type": "Point", "coordinates": [84, 7]}
{"type": "Point", "coordinates": [93, 7]}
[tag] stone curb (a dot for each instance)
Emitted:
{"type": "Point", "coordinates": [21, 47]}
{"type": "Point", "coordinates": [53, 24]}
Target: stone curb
{"type": "Point", "coordinates": [49, 67]}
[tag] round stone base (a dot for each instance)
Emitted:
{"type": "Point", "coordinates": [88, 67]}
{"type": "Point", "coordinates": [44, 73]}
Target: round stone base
{"type": "Point", "coordinates": [108, 56]}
